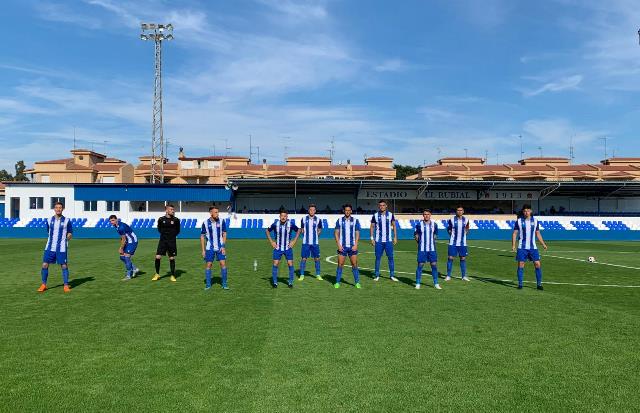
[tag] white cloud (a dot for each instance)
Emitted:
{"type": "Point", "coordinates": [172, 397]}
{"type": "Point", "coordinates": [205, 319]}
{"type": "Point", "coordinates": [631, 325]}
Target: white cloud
{"type": "Point", "coordinates": [555, 137]}
{"type": "Point", "coordinates": [559, 85]}
{"type": "Point", "coordinates": [392, 65]}
{"type": "Point", "coordinates": [299, 10]}
{"type": "Point", "coordinates": [60, 13]}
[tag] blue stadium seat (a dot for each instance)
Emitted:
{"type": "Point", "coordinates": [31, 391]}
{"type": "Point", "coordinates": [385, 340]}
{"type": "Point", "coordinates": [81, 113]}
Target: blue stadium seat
{"type": "Point", "coordinates": [584, 225]}
{"type": "Point", "coordinates": [616, 225]}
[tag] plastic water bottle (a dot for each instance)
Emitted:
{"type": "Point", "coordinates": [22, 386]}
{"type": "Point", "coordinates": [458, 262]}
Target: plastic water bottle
{"type": "Point", "coordinates": [255, 265]}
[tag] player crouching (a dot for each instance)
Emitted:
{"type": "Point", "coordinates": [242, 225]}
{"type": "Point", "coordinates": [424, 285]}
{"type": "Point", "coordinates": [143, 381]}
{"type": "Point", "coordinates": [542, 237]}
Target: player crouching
{"type": "Point", "coordinates": [128, 246]}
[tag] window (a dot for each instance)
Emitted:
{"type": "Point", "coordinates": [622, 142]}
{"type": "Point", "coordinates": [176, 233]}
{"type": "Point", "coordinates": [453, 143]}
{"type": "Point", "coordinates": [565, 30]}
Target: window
{"type": "Point", "coordinates": [108, 179]}
{"type": "Point", "coordinates": [55, 199]}
{"type": "Point", "coordinates": [45, 179]}
{"type": "Point", "coordinates": [36, 202]}
{"type": "Point", "coordinates": [91, 206]}
{"type": "Point", "coordinates": [113, 205]}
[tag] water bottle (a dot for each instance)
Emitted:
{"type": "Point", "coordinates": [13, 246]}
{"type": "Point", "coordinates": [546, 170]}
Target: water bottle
{"type": "Point", "coordinates": [255, 265]}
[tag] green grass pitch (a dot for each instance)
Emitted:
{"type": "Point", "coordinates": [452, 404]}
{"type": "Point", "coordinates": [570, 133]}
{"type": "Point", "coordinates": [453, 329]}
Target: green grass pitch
{"type": "Point", "coordinates": [121, 346]}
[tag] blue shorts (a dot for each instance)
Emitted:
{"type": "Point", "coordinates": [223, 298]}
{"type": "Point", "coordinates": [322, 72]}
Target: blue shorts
{"type": "Point", "coordinates": [427, 256]}
{"type": "Point", "coordinates": [130, 248]}
{"type": "Point", "coordinates": [52, 257]}
{"type": "Point", "coordinates": [531, 255]}
{"type": "Point", "coordinates": [386, 247]}
{"type": "Point", "coordinates": [454, 251]}
{"type": "Point", "coordinates": [347, 252]}
{"type": "Point", "coordinates": [308, 250]}
{"type": "Point", "coordinates": [277, 254]}
{"type": "Point", "coordinates": [211, 256]}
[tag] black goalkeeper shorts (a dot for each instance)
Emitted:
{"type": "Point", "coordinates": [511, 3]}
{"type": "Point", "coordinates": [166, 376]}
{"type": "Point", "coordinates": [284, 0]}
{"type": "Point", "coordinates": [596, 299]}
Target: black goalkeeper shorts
{"type": "Point", "coordinates": [167, 247]}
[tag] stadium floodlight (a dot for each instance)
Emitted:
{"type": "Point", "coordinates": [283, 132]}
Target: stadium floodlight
{"type": "Point", "coordinates": [639, 35]}
{"type": "Point", "coordinates": [158, 33]}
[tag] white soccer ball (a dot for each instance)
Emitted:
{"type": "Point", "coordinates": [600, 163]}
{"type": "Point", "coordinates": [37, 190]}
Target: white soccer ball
{"type": "Point", "coordinates": [591, 259]}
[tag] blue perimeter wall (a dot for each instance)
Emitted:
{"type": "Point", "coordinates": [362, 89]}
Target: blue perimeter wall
{"type": "Point", "coordinates": [257, 233]}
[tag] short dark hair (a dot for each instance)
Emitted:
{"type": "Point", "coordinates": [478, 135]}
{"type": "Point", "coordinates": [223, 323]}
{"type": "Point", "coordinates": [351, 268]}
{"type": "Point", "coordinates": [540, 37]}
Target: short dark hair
{"type": "Point", "coordinates": [311, 206]}
{"type": "Point", "coordinates": [112, 217]}
{"type": "Point", "coordinates": [426, 210]}
{"type": "Point", "coordinates": [382, 201]}
{"type": "Point", "coordinates": [58, 203]}
{"type": "Point", "coordinates": [346, 206]}
{"type": "Point", "coordinates": [526, 206]}
{"type": "Point", "coordinates": [213, 207]}
{"type": "Point", "coordinates": [459, 207]}
{"type": "Point", "coordinates": [169, 206]}
{"type": "Point", "coordinates": [282, 210]}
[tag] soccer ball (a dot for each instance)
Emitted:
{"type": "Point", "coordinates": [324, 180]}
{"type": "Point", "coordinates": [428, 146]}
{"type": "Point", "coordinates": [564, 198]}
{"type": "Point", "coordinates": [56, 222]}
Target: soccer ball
{"type": "Point", "coordinates": [591, 259]}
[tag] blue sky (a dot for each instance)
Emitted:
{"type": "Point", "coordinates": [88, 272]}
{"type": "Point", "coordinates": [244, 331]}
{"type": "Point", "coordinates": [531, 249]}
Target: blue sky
{"type": "Point", "coordinates": [415, 80]}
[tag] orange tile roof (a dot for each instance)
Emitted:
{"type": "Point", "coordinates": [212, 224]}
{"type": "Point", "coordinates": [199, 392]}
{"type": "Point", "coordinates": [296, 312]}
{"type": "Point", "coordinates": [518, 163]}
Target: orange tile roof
{"type": "Point", "coordinates": [56, 161]}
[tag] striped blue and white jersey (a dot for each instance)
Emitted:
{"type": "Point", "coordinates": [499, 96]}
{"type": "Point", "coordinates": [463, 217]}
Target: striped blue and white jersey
{"type": "Point", "coordinates": [213, 231]}
{"type": "Point", "coordinates": [426, 232]}
{"type": "Point", "coordinates": [383, 223]}
{"type": "Point", "coordinates": [347, 228]}
{"type": "Point", "coordinates": [129, 235]}
{"type": "Point", "coordinates": [282, 233]}
{"type": "Point", "coordinates": [58, 230]}
{"type": "Point", "coordinates": [457, 228]}
{"type": "Point", "coordinates": [527, 233]}
{"type": "Point", "coordinates": [310, 225]}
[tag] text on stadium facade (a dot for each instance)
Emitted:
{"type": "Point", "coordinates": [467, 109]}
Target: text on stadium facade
{"type": "Point", "coordinates": [447, 195]}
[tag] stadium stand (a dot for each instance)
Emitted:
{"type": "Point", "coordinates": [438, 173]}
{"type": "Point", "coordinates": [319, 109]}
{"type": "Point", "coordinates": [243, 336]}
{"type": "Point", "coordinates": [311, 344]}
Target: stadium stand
{"type": "Point", "coordinates": [584, 225]}
{"type": "Point", "coordinates": [616, 225]}
{"type": "Point", "coordinates": [8, 223]}
{"type": "Point", "coordinates": [486, 224]}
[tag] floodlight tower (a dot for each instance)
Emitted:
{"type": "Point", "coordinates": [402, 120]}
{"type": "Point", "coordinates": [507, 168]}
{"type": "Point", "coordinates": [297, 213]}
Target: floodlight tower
{"type": "Point", "coordinates": [157, 33]}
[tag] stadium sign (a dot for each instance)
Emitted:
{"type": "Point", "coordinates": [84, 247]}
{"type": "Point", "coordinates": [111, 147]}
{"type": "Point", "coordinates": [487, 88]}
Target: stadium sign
{"type": "Point", "coordinates": [387, 194]}
{"type": "Point", "coordinates": [508, 195]}
{"type": "Point", "coordinates": [453, 195]}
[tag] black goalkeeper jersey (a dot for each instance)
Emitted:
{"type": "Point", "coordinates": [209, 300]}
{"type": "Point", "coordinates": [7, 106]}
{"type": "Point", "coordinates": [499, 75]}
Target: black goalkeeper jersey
{"type": "Point", "coordinates": [168, 227]}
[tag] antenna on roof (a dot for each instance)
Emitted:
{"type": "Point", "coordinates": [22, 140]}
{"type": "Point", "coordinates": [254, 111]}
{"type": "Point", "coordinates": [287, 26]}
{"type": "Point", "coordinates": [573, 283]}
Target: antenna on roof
{"type": "Point", "coordinates": [74, 138]}
{"type": "Point", "coordinates": [571, 149]}
{"type": "Point", "coordinates": [332, 148]}
{"type": "Point", "coordinates": [226, 147]}
{"type": "Point", "coordinates": [251, 152]}
{"type": "Point", "coordinates": [605, 139]}
{"type": "Point", "coordinates": [540, 149]}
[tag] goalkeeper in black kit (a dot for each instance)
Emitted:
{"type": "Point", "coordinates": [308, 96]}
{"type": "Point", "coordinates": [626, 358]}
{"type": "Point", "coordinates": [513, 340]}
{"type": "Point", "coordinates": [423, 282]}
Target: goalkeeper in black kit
{"type": "Point", "coordinates": [169, 228]}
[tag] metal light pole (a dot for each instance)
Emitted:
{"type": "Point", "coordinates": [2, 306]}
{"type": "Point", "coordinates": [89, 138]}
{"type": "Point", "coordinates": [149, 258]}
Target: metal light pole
{"type": "Point", "coordinates": [157, 33]}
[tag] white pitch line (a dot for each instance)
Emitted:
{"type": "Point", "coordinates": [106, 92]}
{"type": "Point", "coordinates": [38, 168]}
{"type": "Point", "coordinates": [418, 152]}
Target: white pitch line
{"type": "Point", "coordinates": [597, 252]}
{"type": "Point", "coordinates": [562, 258]}
{"type": "Point", "coordinates": [328, 259]}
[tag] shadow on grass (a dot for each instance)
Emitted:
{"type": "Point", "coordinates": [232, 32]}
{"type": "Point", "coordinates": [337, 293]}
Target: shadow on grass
{"type": "Point", "coordinates": [76, 282]}
{"type": "Point", "coordinates": [509, 284]}
{"type": "Point", "coordinates": [179, 273]}
{"type": "Point", "coordinates": [368, 273]}
{"type": "Point", "coordinates": [281, 280]}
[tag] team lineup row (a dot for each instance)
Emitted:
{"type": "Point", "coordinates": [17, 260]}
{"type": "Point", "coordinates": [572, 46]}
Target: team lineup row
{"type": "Point", "coordinates": [283, 235]}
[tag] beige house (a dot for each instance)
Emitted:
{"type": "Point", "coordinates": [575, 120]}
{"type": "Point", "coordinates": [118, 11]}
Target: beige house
{"type": "Point", "coordinates": [219, 169]}
{"type": "Point", "coordinates": [84, 167]}
{"type": "Point", "coordinates": [531, 169]}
